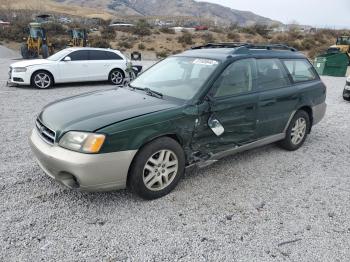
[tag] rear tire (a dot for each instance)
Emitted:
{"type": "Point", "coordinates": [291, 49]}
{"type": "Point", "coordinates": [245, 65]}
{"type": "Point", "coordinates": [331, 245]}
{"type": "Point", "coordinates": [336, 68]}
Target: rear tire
{"type": "Point", "coordinates": [45, 51]}
{"type": "Point", "coordinates": [116, 77]}
{"type": "Point", "coordinates": [344, 97]}
{"type": "Point", "coordinates": [297, 131]}
{"type": "Point", "coordinates": [157, 168]}
{"type": "Point", "coordinates": [24, 51]}
{"type": "Point", "coordinates": [42, 80]}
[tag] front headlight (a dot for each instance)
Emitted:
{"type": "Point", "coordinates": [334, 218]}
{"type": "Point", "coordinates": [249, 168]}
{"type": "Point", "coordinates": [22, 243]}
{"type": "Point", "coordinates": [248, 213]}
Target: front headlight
{"type": "Point", "coordinates": [20, 69]}
{"type": "Point", "coordinates": [82, 142]}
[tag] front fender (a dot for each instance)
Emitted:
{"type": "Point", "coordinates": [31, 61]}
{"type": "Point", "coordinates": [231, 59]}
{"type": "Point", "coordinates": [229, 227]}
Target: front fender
{"type": "Point", "coordinates": [134, 133]}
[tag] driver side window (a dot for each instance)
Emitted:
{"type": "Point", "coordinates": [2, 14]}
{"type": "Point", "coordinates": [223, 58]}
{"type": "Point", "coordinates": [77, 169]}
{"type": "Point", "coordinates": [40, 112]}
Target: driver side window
{"type": "Point", "coordinates": [236, 79]}
{"type": "Point", "coordinates": [81, 55]}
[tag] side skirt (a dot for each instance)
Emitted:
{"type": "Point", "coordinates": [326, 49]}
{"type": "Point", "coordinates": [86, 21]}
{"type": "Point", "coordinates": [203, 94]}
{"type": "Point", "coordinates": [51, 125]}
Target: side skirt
{"type": "Point", "coordinates": [214, 158]}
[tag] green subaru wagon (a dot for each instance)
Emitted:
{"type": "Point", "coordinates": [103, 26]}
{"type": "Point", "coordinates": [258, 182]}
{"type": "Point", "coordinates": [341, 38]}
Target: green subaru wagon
{"type": "Point", "coordinates": [188, 110]}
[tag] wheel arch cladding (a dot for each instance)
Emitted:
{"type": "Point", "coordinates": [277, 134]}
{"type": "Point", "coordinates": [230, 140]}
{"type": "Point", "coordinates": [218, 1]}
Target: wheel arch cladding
{"type": "Point", "coordinates": [308, 110]}
{"type": "Point", "coordinates": [42, 70]}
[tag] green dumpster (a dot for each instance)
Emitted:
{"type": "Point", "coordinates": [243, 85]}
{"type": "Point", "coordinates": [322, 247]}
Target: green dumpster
{"type": "Point", "coordinates": [332, 64]}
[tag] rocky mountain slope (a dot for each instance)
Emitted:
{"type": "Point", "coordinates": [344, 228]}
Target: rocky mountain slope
{"type": "Point", "coordinates": [174, 8]}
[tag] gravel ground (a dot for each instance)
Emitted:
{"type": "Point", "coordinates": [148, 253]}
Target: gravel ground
{"type": "Point", "coordinates": [266, 204]}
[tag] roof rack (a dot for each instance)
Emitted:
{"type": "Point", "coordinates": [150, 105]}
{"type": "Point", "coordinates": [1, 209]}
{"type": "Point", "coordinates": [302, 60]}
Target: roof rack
{"type": "Point", "coordinates": [221, 45]}
{"type": "Point", "coordinates": [247, 45]}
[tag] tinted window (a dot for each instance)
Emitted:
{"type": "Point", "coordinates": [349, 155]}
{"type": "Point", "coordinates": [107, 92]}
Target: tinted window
{"type": "Point", "coordinates": [236, 79]}
{"type": "Point", "coordinates": [112, 56]}
{"type": "Point", "coordinates": [271, 74]}
{"type": "Point", "coordinates": [97, 55]}
{"type": "Point", "coordinates": [300, 70]}
{"type": "Point", "coordinates": [79, 55]}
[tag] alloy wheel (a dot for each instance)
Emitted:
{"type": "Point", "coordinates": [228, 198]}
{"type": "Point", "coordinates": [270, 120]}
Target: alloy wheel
{"type": "Point", "coordinates": [42, 80]}
{"type": "Point", "coordinates": [298, 131]}
{"type": "Point", "coordinates": [117, 77]}
{"type": "Point", "coordinates": [160, 170]}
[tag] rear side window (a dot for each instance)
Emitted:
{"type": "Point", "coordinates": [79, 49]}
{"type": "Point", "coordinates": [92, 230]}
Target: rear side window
{"type": "Point", "coordinates": [79, 55]}
{"type": "Point", "coordinates": [97, 55]}
{"type": "Point", "coordinates": [271, 74]}
{"type": "Point", "coordinates": [112, 56]}
{"type": "Point", "coordinates": [300, 70]}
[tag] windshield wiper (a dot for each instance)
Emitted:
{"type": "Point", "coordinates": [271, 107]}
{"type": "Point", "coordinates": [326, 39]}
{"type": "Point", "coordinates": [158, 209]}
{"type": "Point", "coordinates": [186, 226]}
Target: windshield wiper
{"type": "Point", "coordinates": [148, 91]}
{"type": "Point", "coordinates": [153, 93]}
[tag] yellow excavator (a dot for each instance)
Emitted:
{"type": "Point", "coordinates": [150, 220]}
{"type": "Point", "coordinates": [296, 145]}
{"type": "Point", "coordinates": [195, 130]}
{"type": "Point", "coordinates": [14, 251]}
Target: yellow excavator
{"type": "Point", "coordinates": [342, 45]}
{"type": "Point", "coordinates": [36, 43]}
{"type": "Point", "coordinates": [79, 37]}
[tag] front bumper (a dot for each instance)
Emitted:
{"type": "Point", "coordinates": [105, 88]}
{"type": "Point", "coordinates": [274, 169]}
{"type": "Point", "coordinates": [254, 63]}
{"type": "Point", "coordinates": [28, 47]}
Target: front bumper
{"type": "Point", "coordinates": [22, 78]}
{"type": "Point", "coordinates": [86, 172]}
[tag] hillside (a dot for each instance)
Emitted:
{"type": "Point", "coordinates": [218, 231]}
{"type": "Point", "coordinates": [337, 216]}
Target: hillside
{"type": "Point", "coordinates": [56, 7]}
{"type": "Point", "coordinates": [173, 8]}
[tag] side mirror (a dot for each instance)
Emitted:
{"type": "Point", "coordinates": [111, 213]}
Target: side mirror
{"type": "Point", "coordinates": [216, 126]}
{"type": "Point", "coordinates": [67, 59]}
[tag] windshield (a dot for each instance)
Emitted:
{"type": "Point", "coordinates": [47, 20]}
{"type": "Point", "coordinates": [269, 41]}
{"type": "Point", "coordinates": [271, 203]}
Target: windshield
{"type": "Point", "coordinates": [179, 77]}
{"type": "Point", "coordinates": [36, 32]}
{"type": "Point", "coordinates": [59, 55]}
{"type": "Point", "coordinates": [343, 41]}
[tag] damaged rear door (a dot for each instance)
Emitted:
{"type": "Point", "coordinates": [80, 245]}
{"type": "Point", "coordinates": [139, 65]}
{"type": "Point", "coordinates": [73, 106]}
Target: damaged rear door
{"type": "Point", "coordinates": [230, 117]}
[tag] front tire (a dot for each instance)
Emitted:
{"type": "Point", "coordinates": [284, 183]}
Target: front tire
{"type": "Point", "coordinates": [297, 131]}
{"type": "Point", "coordinates": [42, 80]}
{"type": "Point", "coordinates": [116, 77]}
{"type": "Point", "coordinates": [157, 168]}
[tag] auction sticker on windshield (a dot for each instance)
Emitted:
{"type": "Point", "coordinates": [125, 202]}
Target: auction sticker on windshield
{"type": "Point", "coordinates": [199, 61]}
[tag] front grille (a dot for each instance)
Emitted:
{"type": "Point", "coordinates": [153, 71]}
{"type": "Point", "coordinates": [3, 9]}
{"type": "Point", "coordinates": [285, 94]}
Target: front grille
{"type": "Point", "coordinates": [46, 133]}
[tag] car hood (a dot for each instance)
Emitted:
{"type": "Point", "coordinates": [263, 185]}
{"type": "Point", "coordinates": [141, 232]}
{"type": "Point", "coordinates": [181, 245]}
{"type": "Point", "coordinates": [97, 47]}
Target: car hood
{"type": "Point", "coordinates": [92, 111]}
{"type": "Point", "coordinates": [32, 62]}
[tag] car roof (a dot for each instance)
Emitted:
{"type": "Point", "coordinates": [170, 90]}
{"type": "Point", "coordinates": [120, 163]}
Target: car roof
{"type": "Point", "coordinates": [223, 51]}
{"type": "Point", "coordinates": [91, 48]}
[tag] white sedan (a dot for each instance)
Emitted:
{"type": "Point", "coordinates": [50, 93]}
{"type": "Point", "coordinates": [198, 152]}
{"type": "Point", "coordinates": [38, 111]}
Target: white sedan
{"type": "Point", "coordinates": [72, 65]}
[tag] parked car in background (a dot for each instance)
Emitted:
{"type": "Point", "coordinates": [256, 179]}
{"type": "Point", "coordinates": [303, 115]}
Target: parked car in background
{"type": "Point", "coordinates": [201, 28]}
{"type": "Point", "coordinates": [189, 109]}
{"type": "Point", "coordinates": [72, 65]}
{"type": "Point", "coordinates": [346, 92]}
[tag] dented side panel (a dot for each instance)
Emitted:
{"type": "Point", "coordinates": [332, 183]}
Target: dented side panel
{"type": "Point", "coordinates": [134, 133]}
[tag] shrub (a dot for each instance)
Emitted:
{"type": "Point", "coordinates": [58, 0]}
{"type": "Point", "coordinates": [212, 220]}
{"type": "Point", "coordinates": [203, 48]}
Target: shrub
{"type": "Point", "coordinates": [235, 37]}
{"type": "Point", "coordinates": [54, 29]}
{"type": "Point", "coordinates": [185, 39]}
{"type": "Point", "coordinates": [217, 30]}
{"type": "Point", "coordinates": [166, 30]}
{"type": "Point", "coordinates": [108, 33]}
{"type": "Point", "coordinates": [125, 44]}
{"type": "Point", "coordinates": [141, 46]}
{"type": "Point", "coordinates": [142, 28]}
{"type": "Point", "coordinates": [208, 38]}
{"type": "Point", "coordinates": [308, 43]}
{"type": "Point", "coordinates": [162, 54]}
{"type": "Point", "coordinates": [16, 32]}
{"type": "Point", "coordinates": [98, 42]}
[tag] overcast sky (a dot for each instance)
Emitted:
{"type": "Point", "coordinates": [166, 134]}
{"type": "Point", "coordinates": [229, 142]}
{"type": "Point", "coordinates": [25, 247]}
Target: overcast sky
{"type": "Point", "coordinates": [331, 13]}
